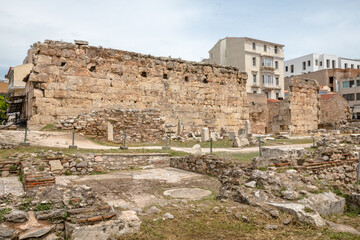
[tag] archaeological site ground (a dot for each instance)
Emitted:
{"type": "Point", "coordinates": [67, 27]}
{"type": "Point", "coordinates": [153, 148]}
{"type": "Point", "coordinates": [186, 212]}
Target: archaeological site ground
{"type": "Point", "coordinates": [121, 145]}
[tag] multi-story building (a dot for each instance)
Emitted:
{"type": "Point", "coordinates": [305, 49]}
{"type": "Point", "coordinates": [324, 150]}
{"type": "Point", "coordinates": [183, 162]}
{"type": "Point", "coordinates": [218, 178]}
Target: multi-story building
{"type": "Point", "coordinates": [263, 61]}
{"type": "Point", "coordinates": [315, 62]}
{"type": "Point", "coordinates": [350, 90]}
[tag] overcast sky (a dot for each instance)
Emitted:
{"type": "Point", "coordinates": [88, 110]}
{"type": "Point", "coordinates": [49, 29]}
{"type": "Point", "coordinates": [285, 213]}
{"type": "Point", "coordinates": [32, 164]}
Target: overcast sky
{"type": "Point", "coordinates": [180, 28]}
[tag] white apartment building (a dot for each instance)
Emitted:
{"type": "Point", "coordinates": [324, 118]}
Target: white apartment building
{"type": "Point", "coordinates": [263, 62]}
{"type": "Point", "coordinates": [314, 62]}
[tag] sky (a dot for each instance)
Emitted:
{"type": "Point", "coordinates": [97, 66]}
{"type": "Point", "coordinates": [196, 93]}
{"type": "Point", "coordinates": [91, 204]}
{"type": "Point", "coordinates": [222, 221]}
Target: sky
{"type": "Point", "coordinates": [185, 29]}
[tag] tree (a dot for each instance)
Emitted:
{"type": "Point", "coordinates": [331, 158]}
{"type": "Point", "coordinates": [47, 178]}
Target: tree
{"type": "Point", "coordinates": [3, 108]}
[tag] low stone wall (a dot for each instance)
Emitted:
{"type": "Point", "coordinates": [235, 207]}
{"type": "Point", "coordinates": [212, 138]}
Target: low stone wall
{"type": "Point", "coordinates": [204, 164]}
{"type": "Point", "coordinates": [83, 164]}
{"type": "Point", "coordinates": [6, 146]}
{"type": "Point", "coordinates": [9, 167]}
{"type": "Point", "coordinates": [139, 125]}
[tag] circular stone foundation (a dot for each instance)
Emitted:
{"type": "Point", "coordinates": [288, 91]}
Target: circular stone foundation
{"type": "Point", "coordinates": [187, 193]}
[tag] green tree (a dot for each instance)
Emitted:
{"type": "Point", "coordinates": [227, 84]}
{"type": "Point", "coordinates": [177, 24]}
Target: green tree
{"type": "Point", "coordinates": [3, 108]}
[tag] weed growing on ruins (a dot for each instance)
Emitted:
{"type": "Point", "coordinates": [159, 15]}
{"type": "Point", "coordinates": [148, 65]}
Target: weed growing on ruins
{"type": "Point", "coordinates": [26, 204]}
{"type": "Point", "coordinates": [41, 168]}
{"type": "Point", "coordinates": [67, 173]}
{"type": "Point", "coordinates": [50, 128]}
{"type": "Point", "coordinates": [3, 212]}
{"type": "Point", "coordinates": [13, 168]}
{"type": "Point", "coordinates": [43, 207]}
{"type": "Point", "coordinates": [308, 210]}
{"type": "Point", "coordinates": [97, 173]}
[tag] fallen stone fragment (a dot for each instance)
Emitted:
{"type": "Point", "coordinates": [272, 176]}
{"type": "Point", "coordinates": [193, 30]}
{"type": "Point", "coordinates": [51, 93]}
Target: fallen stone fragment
{"type": "Point", "coordinates": [168, 216]}
{"type": "Point", "coordinates": [7, 233]}
{"type": "Point", "coordinates": [55, 165]}
{"type": "Point", "coordinates": [287, 220]}
{"type": "Point", "coordinates": [342, 228]}
{"type": "Point", "coordinates": [17, 216]}
{"type": "Point", "coordinates": [271, 227]}
{"type": "Point", "coordinates": [251, 184]}
{"type": "Point", "coordinates": [274, 213]}
{"type": "Point", "coordinates": [37, 233]}
{"type": "Point", "coordinates": [303, 214]}
{"type": "Point", "coordinates": [153, 210]}
{"type": "Point", "coordinates": [326, 203]}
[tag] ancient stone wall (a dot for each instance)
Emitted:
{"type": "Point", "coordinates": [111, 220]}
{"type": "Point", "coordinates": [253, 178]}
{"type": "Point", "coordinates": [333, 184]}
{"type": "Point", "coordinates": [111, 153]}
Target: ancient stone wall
{"type": "Point", "coordinates": [68, 80]}
{"type": "Point", "coordinates": [138, 125]}
{"type": "Point", "coordinates": [259, 115]}
{"type": "Point", "coordinates": [334, 110]}
{"type": "Point", "coordinates": [300, 112]}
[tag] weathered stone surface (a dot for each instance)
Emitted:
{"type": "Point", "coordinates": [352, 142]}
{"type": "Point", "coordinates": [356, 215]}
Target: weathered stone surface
{"type": "Point", "coordinates": [240, 141]}
{"type": "Point", "coordinates": [196, 150]}
{"type": "Point", "coordinates": [251, 184]}
{"type": "Point", "coordinates": [153, 210]}
{"type": "Point", "coordinates": [181, 90]}
{"type": "Point", "coordinates": [187, 193]}
{"type": "Point", "coordinates": [17, 216]}
{"type": "Point", "coordinates": [285, 152]}
{"type": "Point", "coordinates": [110, 132]}
{"type": "Point", "coordinates": [299, 211]}
{"type": "Point", "coordinates": [168, 216]}
{"type": "Point", "coordinates": [82, 164]}
{"type": "Point", "coordinates": [326, 203]}
{"type": "Point", "coordinates": [55, 165]}
{"type": "Point", "coordinates": [342, 228]}
{"type": "Point", "coordinates": [36, 233]}
{"type": "Point", "coordinates": [205, 134]}
{"type": "Point", "coordinates": [7, 233]}
{"type": "Point", "coordinates": [50, 215]}
{"type": "Point", "coordinates": [126, 223]}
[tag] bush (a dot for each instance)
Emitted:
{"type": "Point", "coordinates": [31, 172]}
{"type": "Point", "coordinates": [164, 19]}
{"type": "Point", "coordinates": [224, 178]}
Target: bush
{"type": "Point", "coordinates": [3, 108]}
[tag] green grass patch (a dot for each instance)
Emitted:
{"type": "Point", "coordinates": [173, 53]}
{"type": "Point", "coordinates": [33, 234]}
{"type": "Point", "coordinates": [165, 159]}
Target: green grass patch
{"type": "Point", "coordinates": [50, 128]}
{"type": "Point", "coordinates": [237, 157]}
{"type": "Point", "coordinates": [43, 207]}
{"type": "Point", "coordinates": [3, 212]}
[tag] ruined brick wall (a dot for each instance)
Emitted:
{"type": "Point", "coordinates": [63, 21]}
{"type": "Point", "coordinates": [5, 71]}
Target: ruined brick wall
{"type": "Point", "coordinates": [139, 125]}
{"type": "Point", "coordinates": [300, 112]}
{"type": "Point", "coordinates": [68, 80]}
{"type": "Point", "coordinates": [334, 109]}
{"type": "Point", "coordinates": [259, 115]}
{"type": "Point", "coordinates": [273, 111]}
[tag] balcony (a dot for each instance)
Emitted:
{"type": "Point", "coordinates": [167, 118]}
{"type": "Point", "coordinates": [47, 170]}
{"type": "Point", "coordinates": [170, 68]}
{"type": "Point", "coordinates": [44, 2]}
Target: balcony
{"type": "Point", "coordinates": [270, 86]}
{"type": "Point", "coordinates": [267, 68]}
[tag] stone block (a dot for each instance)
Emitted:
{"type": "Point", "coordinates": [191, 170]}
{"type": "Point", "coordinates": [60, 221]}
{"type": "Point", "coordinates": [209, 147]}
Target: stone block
{"type": "Point", "coordinates": [110, 132]}
{"type": "Point", "coordinates": [55, 165]}
{"type": "Point", "coordinates": [205, 134]}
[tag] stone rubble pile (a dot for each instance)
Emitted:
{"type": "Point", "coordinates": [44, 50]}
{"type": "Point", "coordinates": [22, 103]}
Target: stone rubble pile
{"type": "Point", "coordinates": [62, 212]}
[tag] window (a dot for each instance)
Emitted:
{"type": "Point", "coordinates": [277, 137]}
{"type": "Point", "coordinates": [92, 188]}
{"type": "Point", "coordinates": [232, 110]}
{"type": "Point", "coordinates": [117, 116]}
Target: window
{"type": "Point", "coordinates": [345, 66]}
{"type": "Point", "coordinates": [309, 63]}
{"type": "Point", "coordinates": [352, 66]}
{"type": "Point", "coordinates": [357, 96]}
{"type": "Point", "coordinates": [254, 45]}
{"type": "Point", "coordinates": [358, 83]}
{"type": "Point", "coordinates": [316, 62]}
{"type": "Point", "coordinates": [267, 79]}
{"type": "Point", "coordinates": [267, 94]}
{"type": "Point", "coordinates": [304, 65]}
{"type": "Point", "coordinates": [345, 84]}
{"type": "Point", "coordinates": [265, 48]}
{"type": "Point", "coordinates": [349, 97]}
{"type": "Point", "coordinates": [277, 81]}
{"type": "Point", "coordinates": [352, 83]}
{"type": "Point", "coordinates": [333, 63]}
{"type": "Point", "coordinates": [331, 80]}
{"type": "Point", "coordinates": [254, 61]}
{"type": "Point", "coordinates": [292, 68]}
{"type": "Point", "coordinates": [267, 62]}
{"type": "Point", "coordinates": [254, 91]}
{"type": "Point", "coordinates": [358, 67]}
{"type": "Point", "coordinates": [276, 65]}
{"type": "Point", "coordinates": [327, 63]}
{"type": "Point", "coordinates": [276, 49]}
{"type": "Point", "coordinates": [320, 63]}
{"type": "Point", "coordinates": [277, 95]}
{"type": "Point", "coordinates": [254, 78]}
{"type": "Point", "coordinates": [286, 68]}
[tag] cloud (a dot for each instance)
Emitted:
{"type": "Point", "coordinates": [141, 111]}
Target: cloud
{"type": "Point", "coordinates": [179, 28]}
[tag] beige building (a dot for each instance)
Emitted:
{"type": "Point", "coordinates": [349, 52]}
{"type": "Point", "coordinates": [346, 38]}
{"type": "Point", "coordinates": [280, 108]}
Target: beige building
{"type": "Point", "coordinates": [16, 76]}
{"type": "Point", "coordinates": [262, 61]}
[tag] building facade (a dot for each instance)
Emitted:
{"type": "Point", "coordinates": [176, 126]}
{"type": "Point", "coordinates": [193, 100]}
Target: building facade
{"type": "Point", "coordinates": [263, 62]}
{"type": "Point", "coordinates": [315, 62]}
{"type": "Point", "coordinates": [350, 90]}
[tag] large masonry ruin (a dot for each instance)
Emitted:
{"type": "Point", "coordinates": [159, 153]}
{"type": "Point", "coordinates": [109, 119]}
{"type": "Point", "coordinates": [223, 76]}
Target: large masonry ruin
{"type": "Point", "coordinates": [69, 80]}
